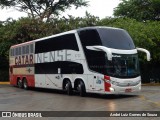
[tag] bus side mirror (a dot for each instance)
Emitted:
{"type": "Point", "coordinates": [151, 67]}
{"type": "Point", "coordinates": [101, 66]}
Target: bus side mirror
{"type": "Point", "coordinates": [102, 48]}
{"type": "Point", "coordinates": [146, 51]}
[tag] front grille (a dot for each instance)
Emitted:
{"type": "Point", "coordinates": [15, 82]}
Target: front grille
{"type": "Point", "coordinates": [125, 84]}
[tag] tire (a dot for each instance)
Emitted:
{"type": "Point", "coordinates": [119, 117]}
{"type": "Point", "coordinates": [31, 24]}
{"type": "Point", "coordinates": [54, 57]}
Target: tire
{"type": "Point", "coordinates": [68, 88]}
{"type": "Point", "coordinates": [19, 83]}
{"type": "Point", "coordinates": [81, 89]}
{"type": "Point", "coordinates": [25, 84]}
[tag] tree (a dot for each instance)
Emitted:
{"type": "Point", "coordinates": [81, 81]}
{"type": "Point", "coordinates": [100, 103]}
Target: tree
{"type": "Point", "coordinates": [42, 9]}
{"type": "Point", "coordinates": [140, 10]}
{"type": "Point", "coordinates": [145, 35]}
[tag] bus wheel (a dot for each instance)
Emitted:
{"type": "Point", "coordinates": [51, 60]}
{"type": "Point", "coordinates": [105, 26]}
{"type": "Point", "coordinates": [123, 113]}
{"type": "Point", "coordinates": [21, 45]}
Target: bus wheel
{"type": "Point", "coordinates": [25, 84]}
{"type": "Point", "coordinates": [20, 83]}
{"type": "Point", "coordinates": [81, 89]}
{"type": "Point", "coordinates": [68, 87]}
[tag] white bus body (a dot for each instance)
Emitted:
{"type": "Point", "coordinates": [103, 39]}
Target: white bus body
{"type": "Point", "coordinates": [93, 59]}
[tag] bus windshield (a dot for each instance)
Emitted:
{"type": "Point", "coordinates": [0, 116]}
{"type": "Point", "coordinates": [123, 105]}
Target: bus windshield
{"type": "Point", "coordinates": [123, 66]}
{"type": "Point", "coordinates": [116, 38]}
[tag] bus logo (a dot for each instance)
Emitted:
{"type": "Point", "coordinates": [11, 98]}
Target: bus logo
{"type": "Point", "coordinates": [6, 114]}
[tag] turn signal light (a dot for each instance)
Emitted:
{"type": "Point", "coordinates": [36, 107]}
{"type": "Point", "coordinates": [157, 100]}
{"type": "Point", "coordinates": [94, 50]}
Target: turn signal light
{"type": "Point", "coordinates": [106, 77]}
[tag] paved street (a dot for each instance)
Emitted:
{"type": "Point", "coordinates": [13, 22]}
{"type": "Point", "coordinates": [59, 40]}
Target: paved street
{"type": "Point", "coordinates": [15, 99]}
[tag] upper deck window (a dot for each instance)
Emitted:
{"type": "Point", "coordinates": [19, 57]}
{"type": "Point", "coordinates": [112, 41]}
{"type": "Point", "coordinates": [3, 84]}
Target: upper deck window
{"type": "Point", "coordinates": [89, 37]}
{"type": "Point", "coordinates": [67, 41]}
{"type": "Point", "coordinates": [27, 49]}
{"type": "Point", "coordinates": [21, 50]}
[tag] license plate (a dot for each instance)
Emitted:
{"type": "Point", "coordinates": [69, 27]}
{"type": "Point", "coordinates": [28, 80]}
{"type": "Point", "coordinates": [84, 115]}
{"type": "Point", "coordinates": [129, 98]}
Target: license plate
{"type": "Point", "coordinates": [128, 90]}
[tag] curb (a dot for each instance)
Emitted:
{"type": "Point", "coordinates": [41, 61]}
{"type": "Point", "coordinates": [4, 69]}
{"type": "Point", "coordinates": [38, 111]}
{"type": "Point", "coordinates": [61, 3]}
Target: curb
{"type": "Point", "coordinates": [151, 84]}
{"type": "Point", "coordinates": [4, 83]}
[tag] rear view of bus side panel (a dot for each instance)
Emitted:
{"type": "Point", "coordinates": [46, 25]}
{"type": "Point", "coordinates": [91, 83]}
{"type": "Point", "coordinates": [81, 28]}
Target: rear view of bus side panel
{"type": "Point", "coordinates": [22, 64]}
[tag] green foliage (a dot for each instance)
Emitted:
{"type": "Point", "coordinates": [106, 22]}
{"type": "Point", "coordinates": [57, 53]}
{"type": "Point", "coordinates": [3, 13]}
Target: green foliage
{"type": "Point", "coordinates": [140, 10]}
{"type": "Point", "coordinates": [145, 35]}
{"type": "Point", "coordinates": [27, 29]}
{"type": "Point", "coordinates": [70, 23]}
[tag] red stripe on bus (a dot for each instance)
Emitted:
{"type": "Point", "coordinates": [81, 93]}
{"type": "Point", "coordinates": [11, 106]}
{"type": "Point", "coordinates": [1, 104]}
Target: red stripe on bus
{"type": "Point", "coordinates": [107, 86]}
{"type": "Point", "coordinates": [30, 79]}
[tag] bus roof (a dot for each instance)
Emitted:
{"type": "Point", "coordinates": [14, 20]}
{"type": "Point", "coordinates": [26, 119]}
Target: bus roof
{"type": "Point", "coordinates": [98, 27]}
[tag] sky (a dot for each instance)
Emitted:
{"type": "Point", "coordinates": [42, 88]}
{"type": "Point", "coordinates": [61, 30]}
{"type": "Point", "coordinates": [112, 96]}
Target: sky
{"type": "Point", "coordinates": [100, 8]}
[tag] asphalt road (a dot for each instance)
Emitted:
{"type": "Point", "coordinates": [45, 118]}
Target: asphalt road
{"type": "Point", "coordinates": [16, 99]}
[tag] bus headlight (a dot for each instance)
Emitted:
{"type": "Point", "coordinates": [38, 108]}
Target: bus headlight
{"type": "Point", "coordinates": [111, 89]}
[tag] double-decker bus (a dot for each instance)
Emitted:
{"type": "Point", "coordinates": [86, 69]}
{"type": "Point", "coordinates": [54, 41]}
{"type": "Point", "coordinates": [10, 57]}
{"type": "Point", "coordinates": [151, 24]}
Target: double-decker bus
{"type": "Point", "coordinates": [91, 59]}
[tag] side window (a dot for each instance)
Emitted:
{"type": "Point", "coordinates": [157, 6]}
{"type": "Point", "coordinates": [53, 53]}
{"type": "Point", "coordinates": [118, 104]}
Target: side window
{"type": "Point", "coordinates": [89, 38]}
{"type": "Point", "coordinates": [52, 68]}
{"type": "Point", "coordinates": [16, 51]}
{"type": "Point", "coordinates": [27, 49]}
{"type": "Point", "coordinates": [72, 68]}
{"type": "Point", "coordinates": [67, 41]}
{"type": "Point", "coordinates": [23, 49]}
{"type": "Point", "coordinates": [95, 59]}
{"type": "Point", "coordinates": [13, 52]}
{"type": "Point", "coordinates": [31, 48]}
{"type": "Point", "coordinates": [19, 51]}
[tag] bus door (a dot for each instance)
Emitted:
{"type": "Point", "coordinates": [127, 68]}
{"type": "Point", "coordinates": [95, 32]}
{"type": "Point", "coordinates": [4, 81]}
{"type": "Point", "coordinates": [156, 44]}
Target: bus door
{"type": "Point", "coordinates": [91, 82]}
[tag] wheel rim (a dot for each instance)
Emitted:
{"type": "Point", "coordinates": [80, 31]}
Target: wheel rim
{"type": "Point", "coordinates": [66, 87]}
{"type": "Point", "coordinates": [79, 87]}
{"type": "Point", "coordinates": [25, 84]}
{"type": "Point", "coordinates": [19, 83]}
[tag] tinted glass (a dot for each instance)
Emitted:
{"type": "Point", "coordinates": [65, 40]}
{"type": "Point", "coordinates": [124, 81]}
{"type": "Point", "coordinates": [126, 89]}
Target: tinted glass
{"type": "Point", "coordinates": [23, 49]}
{"type": "Point", "coordinates": [16, 51]}
{"type": "Point", "coordinates": [27, 49]}
{"type": "Point", "coordinates": [95, 59]}
{"type": "Point", "coordinates": [89, 38]}
{"type": "Point", "coordinates": [123, 66]}
{"type": "Point", "coordinates": [31, 48]}
{"type": "Point", "coordinates": [57, 43]}
{"type": "Point", "coordinates": [52, 68]}
{"type": "Point", "coordinates": [19, 51]}
{"type": "Point", "coordinates": [116, 38]}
